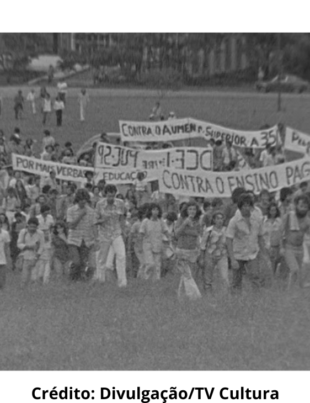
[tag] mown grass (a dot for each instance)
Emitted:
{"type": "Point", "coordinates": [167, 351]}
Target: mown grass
{"type": "Point", "coordinates": [68, 326]}
{"type": "Point", "coordinates": [236, 110]}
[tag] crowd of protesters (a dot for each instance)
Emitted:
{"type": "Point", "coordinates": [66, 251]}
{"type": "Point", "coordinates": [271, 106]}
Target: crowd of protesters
{"type": "Point", "coordinates": [53, 230]}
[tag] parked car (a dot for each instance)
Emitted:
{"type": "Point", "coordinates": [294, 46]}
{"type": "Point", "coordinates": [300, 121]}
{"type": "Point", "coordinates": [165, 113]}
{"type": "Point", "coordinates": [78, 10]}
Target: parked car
{"type": "Point", "coordinates": [287, 83]}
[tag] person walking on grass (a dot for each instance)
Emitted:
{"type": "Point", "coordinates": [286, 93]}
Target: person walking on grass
{"type": "Point", "coordinates": [47, 107]}
{"type": "Point", "coordinates": [60, 246]}
{"type": "Point", "coordinates": [59, 106]}
{"type": "Point", "coordinates": [82, 234]}
{"type": "Point", "coordinates": [5, 258]}
{"type": "Point", "coordinates": [294, 227]}
{"type": "Point", "coordinates": [31, 98]}
{"type": "Point", "coordinates": [272, 225]}
{"type": "Point", "coordinates": [214, 251]}
{"type": "Point", "coordinates": [187, 232]}
{"type": "Point", "coordinates": [19, 105]}
{"type": "Point", "coordinates": [152, 231]}
{"type": "Point", "coordinates": [1, 105]}
{"type": "Point", "coordinates": [83, 101]}
{"type": "Point", "coordinates": [30, 242]}
{"type": "Point", "coordinates": [244, 240]}
{"type": "Point", "coordinates": [110, 215]}
{"type": "Point", "coordinates": [46, 223]}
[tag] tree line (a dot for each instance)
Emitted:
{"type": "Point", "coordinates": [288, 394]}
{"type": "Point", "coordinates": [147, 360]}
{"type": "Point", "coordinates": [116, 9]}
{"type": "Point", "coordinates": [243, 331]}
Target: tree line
{"type": "Point", "coordinates": [172, 53]}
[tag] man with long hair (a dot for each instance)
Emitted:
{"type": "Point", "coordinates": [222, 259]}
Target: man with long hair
{"type": "Point", "coordinates": [82, 233]}
{"type": "Point", "coordinates": [110, 217]}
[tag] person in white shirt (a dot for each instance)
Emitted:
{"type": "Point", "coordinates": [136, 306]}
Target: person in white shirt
{"type": "Point", "coordinates": [48, 140]}
{"type": "Point", "coordinates": [62, 87]}
{"type": "Point", "coordinates": [47, 107]}
{"type": "Point", "coordinates": [5, 259]}
{"type": "Point", "coordinates": [267, 157]}
{"type": "Point", "coordinates": [229, 156]}
{"type": "Point", "coordinates": [59, 106]}
{"type": "Point", "coordinates": [46, 223]}
{"type": "Point", "coordinates": [83, 100]}
{"type": "Point", "coordinates": [31, 98]}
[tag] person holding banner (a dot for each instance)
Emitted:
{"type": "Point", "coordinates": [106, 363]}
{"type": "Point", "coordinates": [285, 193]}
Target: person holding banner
{"type": "Point", "coordinates": [244, 241]}
{"type": "Point", "coordinates": [110, 216]}
{"type": "Point", "coordinates": [187, 232]}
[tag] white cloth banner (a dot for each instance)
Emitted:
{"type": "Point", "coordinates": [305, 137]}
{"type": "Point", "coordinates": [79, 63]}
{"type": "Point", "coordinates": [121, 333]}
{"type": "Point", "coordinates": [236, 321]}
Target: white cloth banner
{"type": "Point", "coordinates": [221, 184]}
{"type": "Point", "coordinates": [117, 158]}
{"type": "Point", "coordinates": [182, 129]}
{"type": "Point", "coordinates": [296, 141]}
{"type": "Point", "coordinates": [40, 167]}
{"type": "Point", "coordinates": [121, 177]}
{"type": "Point", "coordinates": [76, 173]}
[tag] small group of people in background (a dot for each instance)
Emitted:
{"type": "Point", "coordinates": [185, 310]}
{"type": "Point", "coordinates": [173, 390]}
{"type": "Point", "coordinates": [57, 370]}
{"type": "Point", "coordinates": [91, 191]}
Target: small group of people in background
{"type": "Point", "coordinates": [47, 104]}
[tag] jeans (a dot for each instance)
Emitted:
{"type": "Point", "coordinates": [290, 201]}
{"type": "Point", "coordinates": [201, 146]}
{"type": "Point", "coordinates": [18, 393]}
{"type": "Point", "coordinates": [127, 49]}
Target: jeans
{"type": "Point", "coordinates": [82, 113]}
{"type": "Point", "coordinates": [29, 271]}
{"type": "Point", "coordinates": [59, 117]}
{"type": "Point", "coordinates": [2, 275]}
{"type": "Point", "coordinates": [186, 261]}
{"type": "Point", "coordinates": [212, 263]}
{"type": "Point", "coordinates": [251, 268]}
{"type": "Point", "coordinates": [79, 257]}
{"type": "Point", "coordinates": [105, 258]}
{"type": "Point", "coordinates": [139, 255]}
{"type": "Point", "coordinates": [42, 270]}
{"type": "Point", "coordinates": [152, 267]}
{"type": "Point", "coordinates": [294, 260]}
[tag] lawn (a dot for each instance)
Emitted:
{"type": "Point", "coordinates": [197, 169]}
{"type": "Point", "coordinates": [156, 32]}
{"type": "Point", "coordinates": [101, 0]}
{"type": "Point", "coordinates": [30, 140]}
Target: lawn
{"type": "Point", "coordinates": [235, 110]}
{"type": "Point", "coordinates": [66, 326]}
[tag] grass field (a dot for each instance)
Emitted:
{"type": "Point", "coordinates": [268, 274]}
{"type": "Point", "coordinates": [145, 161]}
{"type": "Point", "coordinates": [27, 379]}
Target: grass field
{"type": "Point", "coordinates": [68, 326]}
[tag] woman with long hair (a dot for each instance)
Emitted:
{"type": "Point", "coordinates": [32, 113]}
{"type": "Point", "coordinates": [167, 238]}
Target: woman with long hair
{"type": "Point", "coordinates": [4, 221]}
{"type": "Point", "coordinates": [21, 193]}
{"type": "Point", "coordinates": [60, 248]}
{"type": "Point", "coordinates": [10, 203]}
{"type": "Point", "coordinates": [187, 232]}
{"type": "Point", "coordinates": [152, 231]}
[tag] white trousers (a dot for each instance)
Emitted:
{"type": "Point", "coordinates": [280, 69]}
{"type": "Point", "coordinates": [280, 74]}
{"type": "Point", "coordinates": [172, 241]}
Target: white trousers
{"type": "Point", "coordinates": [42, 270]}
{"type": "Point", "coordinates": [82, 113]}
{"type": "Point", "coordinates": [105, 260]}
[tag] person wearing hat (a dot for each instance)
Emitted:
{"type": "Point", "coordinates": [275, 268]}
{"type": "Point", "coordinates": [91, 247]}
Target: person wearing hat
{"type": "Point", "coordinates": [213, 254]}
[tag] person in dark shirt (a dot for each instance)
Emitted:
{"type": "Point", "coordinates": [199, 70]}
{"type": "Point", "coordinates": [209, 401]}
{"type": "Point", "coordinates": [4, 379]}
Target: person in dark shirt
{"type": "Point", "coordinates": [18, 105]}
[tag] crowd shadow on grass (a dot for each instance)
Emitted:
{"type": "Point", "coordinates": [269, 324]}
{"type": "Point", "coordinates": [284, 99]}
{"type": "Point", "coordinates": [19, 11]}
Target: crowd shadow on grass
{"type": "Point", "coordinates": [66, 326]}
